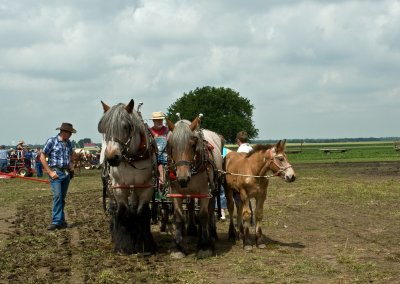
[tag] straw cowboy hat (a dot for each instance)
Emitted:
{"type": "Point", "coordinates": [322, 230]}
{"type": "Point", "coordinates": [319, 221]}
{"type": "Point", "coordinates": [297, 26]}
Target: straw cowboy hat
{"type": "Point", "coordinates": [66, 127]}
{"type": "Point", "coordinates": [21, 142]}
{"type": "Point", "coordinates": [157, 115]}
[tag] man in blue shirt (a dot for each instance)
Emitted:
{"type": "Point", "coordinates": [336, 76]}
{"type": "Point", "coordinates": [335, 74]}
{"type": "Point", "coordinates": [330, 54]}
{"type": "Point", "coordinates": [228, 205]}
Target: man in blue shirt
{"type": "Point", "coordinates": [58, 150]}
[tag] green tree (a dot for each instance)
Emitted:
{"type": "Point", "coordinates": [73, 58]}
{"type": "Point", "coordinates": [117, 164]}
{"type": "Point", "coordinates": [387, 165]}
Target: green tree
{"type": "Point", "coordinates": [224, 110]}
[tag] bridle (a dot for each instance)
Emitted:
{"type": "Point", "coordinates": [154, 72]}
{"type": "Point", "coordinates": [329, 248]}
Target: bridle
{"type": "Point", "coordinates": [197, 164]}
{"type": "Point", "coordinates": [280, 169]}
{"type": "Point", "coordinates": [124, 145]}
{"type": "Point", "coordinates": [140, 154]}
{"type": "Point", "coordinates": [143, 152]}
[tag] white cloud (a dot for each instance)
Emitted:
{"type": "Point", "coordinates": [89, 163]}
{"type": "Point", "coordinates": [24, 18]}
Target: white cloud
{"type": "Point", "coordinates": [308, 63]}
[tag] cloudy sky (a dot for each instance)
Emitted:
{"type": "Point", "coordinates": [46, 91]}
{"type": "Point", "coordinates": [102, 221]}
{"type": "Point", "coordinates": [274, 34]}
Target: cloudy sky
{"type": "Point", "coordinates": [312, 69]}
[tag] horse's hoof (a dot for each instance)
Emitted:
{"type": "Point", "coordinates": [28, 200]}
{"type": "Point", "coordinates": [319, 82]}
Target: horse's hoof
{"type": "Point", "coordinates": [204, 253]}
{"type": "Point", "coordinates": [262, 246]}
{"type": "Point", "coordinates": [248, 247]}
{"type": "Point", "coordinates": [145, 254]}
{"type": "Point", "coordinates": [232, 238]}
{"type": "Point", "coordinates": [177, 255]}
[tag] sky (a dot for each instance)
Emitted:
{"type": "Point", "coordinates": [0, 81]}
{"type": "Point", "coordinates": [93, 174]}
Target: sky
{"type": "Point", "coordinates": [312, 69]}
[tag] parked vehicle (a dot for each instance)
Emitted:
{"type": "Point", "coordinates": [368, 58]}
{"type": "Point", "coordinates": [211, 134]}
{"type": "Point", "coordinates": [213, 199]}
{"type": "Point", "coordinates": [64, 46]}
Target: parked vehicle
{"type": "Point", "coordinates": [17, 165]}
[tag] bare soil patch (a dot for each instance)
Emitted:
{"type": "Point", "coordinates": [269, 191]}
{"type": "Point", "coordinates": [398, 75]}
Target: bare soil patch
{"type": "Point", "coordinates": [336, 223]}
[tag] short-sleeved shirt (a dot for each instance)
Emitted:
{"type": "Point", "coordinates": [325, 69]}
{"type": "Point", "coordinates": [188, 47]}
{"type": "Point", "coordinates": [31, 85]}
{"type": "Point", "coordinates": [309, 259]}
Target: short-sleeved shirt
{"type": "Point", "coordinates": [58, 152]}
{"type": "Point", "coordinates": [244, 148]}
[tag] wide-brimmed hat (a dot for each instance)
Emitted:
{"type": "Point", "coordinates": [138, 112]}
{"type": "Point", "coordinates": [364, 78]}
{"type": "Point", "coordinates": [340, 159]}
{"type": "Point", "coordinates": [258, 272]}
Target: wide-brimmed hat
{"type": "Point", "coordinates": [157, 115]}
{"type": "Point", "coordinates": [66, 127]}
{"type": "Point", "coordinates": [21, 142]}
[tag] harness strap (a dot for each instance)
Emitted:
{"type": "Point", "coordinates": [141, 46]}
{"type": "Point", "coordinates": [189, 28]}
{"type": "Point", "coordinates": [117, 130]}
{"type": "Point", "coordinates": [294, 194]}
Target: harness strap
{"type": "Point", "coordinates": [132, 186]}
{"type": "Point", "coordinates": [179, 195]}
{"type": "Point", "coordinates": [241, 175]}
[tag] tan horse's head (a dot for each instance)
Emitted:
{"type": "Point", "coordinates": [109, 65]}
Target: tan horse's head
{"type": "Point", "coordinates": [279, 163]}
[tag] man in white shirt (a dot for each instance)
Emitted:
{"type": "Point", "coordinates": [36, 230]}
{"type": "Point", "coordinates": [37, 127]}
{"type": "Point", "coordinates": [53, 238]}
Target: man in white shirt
{"type": "Point", "coordinates": [242, 140]}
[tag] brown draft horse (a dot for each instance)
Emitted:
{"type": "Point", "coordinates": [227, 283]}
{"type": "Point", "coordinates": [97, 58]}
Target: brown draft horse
{"type": "Point", "coordinates": [245, 173]}
{"type": "Point", "coordinates": [195, 158]}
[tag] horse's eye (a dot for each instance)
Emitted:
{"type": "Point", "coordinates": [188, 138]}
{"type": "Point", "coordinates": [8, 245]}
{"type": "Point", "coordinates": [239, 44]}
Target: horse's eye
{"type": "Point", "coordinates": [280, 158]}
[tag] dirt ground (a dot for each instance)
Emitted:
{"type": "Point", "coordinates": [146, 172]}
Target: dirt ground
{"type": "Point", "coordinates": [338, 223]}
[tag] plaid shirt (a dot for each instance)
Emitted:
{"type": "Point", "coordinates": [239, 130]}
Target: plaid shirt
{"type": "Point", "coordinates": [58, 152]}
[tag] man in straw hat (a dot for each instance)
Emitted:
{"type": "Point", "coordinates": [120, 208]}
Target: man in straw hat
{"type": "Point", "coordinates": [58, 150]}
{"type": "Point", "coordinates": [20, 145]}
{"type": "Point", "coordinates": [160, 132]}
{"type": "Point", "coordinates": [20, 149]}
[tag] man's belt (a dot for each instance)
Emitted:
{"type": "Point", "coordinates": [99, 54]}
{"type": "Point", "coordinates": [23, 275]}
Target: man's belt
{"type": "Point", "coordinates": [59, 169]}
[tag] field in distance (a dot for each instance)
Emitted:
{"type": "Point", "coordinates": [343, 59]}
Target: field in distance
{"type": "Point", "coordinates": [379, 151]}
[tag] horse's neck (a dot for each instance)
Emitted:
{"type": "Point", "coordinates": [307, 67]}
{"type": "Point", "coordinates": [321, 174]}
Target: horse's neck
{"type": "Point", "coordinates": [260, 162]}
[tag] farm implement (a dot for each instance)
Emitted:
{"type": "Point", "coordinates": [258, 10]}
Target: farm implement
{"type": "Point", "coordinates": [14, 175]}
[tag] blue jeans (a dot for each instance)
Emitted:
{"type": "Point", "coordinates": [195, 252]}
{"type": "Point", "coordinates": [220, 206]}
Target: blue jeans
{"type": "Point", "coordinates": [222, 198]}
{"type": "Point", "coordinates": [3, 165]}
{"type": "Point", "coordinates": [39, 169]}
{"type": "Point", "coordinates": [59, 187]}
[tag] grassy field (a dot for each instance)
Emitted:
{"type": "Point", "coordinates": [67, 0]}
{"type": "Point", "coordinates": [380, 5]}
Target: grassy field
{"type": "Point", "coordinates": [337, 223]}
{"type": "Point", "coordinates": [356, 152]}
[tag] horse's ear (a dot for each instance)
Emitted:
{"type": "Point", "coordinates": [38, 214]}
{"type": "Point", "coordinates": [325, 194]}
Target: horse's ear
{"type": "Point", "coordinates": [280, 146]}
{"type": "Point", "coordinates": [170, 124]}
{"type": "Point", "coordinates": [105, 107]}
{"type": "Point", "coordinates": [129, 107]}
{"type": "Point", "coordinates": [195, 123]}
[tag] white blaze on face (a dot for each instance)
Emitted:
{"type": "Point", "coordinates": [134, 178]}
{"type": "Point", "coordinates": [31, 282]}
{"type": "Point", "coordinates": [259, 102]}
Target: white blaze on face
{"type": "Point", "coordinates": [289, 173]}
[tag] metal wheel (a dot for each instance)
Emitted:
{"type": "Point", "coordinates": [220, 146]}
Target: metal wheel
{"type": "Point", "coordinates": [24, 172]}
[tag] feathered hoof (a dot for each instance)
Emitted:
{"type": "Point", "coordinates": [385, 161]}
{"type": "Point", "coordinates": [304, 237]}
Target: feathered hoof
{"type": "Point", "coordinates": [145, 254]}
{"type": "Point", "coordinates": [262, 246]}
{"type": "Point", "coordinates": [177, 255]}
{"type": "Point", "coordinates": [248, 248]}
{"type": "Point", "coordinates": [204, 253]}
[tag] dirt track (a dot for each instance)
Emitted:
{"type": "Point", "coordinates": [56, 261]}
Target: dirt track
{"type": "Point", "coordinates": [316, 235]}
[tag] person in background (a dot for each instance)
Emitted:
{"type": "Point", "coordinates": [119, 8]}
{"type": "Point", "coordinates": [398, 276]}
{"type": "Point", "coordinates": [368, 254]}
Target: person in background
{"type": "Point", "coordinates": [20, 149]}
{"type": "Point", "coordinates": [20, 145]}
{"type": "Point", "coordinates": [28, 157]}
{"type": "Point", "coordinates": [222, 196]}
{"type": "Point", "coordinates": [38, 163]}
{"type": "Point", "coordinates": [160, 133]}
{"type": "Point", "coordinates": [3, 158]}
{"type": "Point", "coordinates": [58, 150]}
{"type": "Point", "coordinates": [242, 139]}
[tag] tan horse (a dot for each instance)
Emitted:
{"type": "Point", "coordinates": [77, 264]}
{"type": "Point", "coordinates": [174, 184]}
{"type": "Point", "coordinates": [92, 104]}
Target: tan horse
{"type": "Point", "coordinates": [246, 174]}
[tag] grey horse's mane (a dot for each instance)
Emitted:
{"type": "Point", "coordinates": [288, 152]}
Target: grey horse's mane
{"type": "Point", "coordinates": [181, 135]}
{"type": "Point", "coordinates": [114, 122]}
